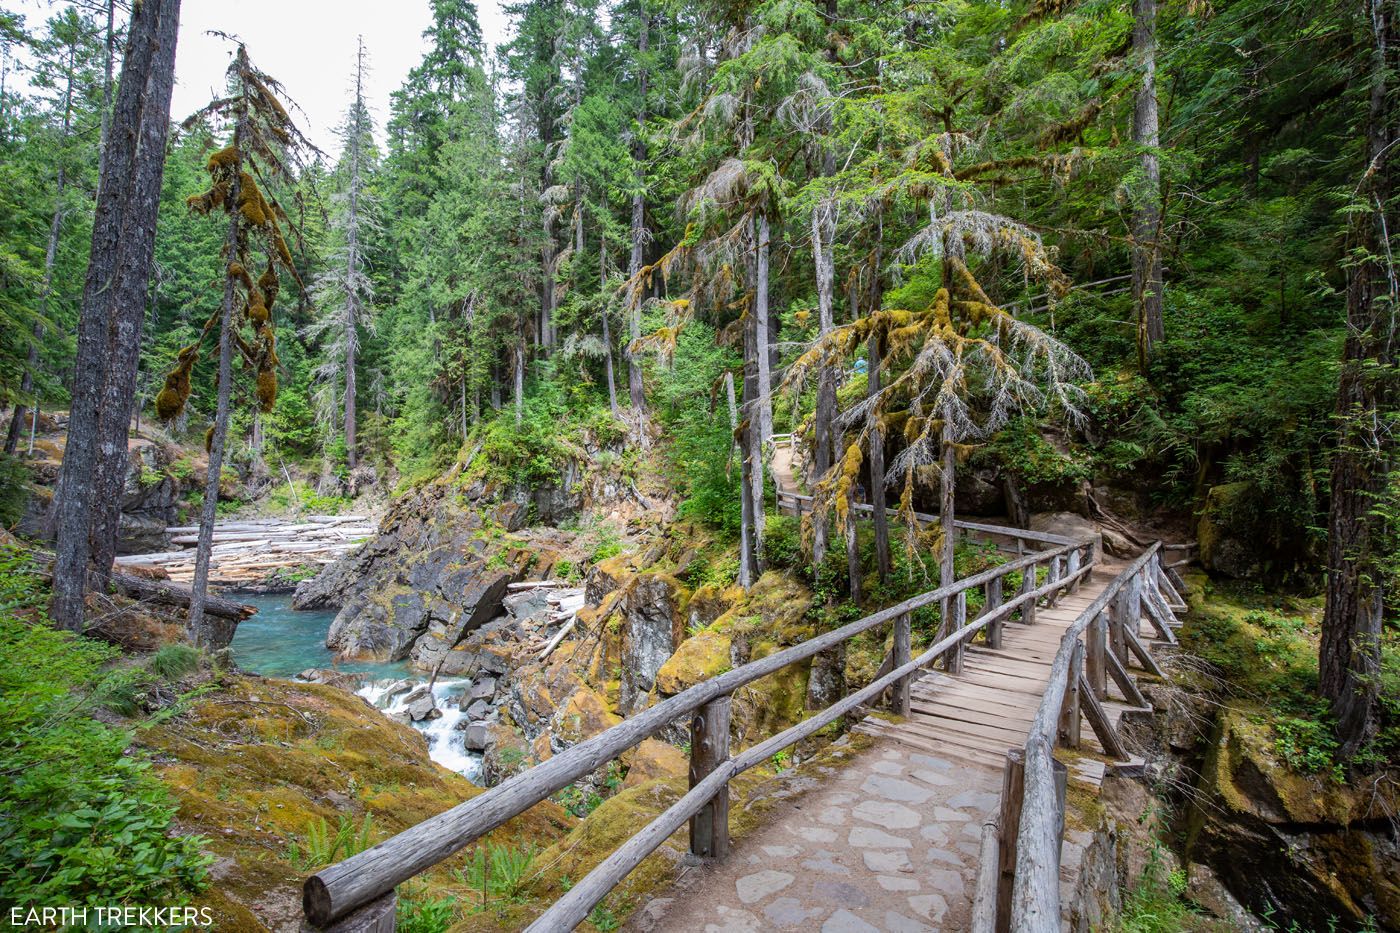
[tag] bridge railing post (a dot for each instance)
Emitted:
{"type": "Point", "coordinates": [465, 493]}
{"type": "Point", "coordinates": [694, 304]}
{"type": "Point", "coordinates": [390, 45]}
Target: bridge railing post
{"type": "Point", "coordinates": [1095, 645]}
{"type": "Point", "coordinates": [1075, 562]}
{"type": "Point", "coordinates": [953, 657]}
{"type": "Point", "coordinates": [1068, 731]}
{"type": "Point", "coordinates": [900, 650]}
{"type": "Point", "coordinates": [1028, 577]}
{"type": "Point", "coordinates": [1053, 576]}
{"type": "Point", "coordinates": [991, 604]}
{"type": "Point", "coordinates": [709, 748]}
{"type": "Point", "coordinates": [1117, 621]}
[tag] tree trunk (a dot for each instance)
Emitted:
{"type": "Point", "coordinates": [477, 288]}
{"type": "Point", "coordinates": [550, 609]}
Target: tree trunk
{"type": "Point", "coordinates": [518, 369]}
{"type": "Point", "coordinates": [1147, 214]}
{"type": "Point", "coordinates": [638, 231]}
{"type": "Point", "coordinates": [822, 228]}
{"type": "Point", "coordinates": [762, 327]}
{"type": "Point", "coordinates": [877, 441]}
{"type": "Point", "coordinates": [751, 490]}
{"type": "Point", "coordinates": [877, 466]}
{"type": "Point", "coordinates": [1359, 526]}
{"type": "Point", "coordinates": [202, 634]}
{"type": "Point", "coordinates": [947, 548]}
{"type": "Point", "coordinates": [132, 296]}
{"type": "Point", "coordinates": [123, 233]}
{"type": "Point", "coordinates": [607, 331]}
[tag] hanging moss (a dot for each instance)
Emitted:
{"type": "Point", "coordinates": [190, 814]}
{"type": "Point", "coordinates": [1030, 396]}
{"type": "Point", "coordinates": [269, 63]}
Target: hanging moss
{"type": "Point", "coordinates": [267, 388]}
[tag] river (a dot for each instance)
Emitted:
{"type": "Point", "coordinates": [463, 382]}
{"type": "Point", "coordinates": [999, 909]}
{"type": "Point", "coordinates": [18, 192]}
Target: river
{"type": "Point", "coordinates": [281, 642]}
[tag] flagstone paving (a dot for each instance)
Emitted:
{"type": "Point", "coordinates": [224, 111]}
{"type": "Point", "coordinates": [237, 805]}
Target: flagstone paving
{"type": "Point", "coordinates": [891, 844]}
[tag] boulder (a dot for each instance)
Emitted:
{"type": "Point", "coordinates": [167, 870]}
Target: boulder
{"type": "Point", "coordinates": [475, 595]}
{"type": "Point", "coordinates": [651, 630]}
{"type": "Point", "coordinates": [477, 737]}
{"type": "Point", "coordinates": [1073, 525]}
{"type": "Point", "coordinates": [478, 709]}
{"type": "Point", "coordinates": [529, 605]}
{"type": "Point", "coordinates": [698, 658]}
{"type": "Point", "coordinates": [979, 492]}
{"type": "Point", "coordinates": [1309, 848]}
{"type": "Point", "coordinates": [654, 759]}
{"type": "Point", "coordinates": [483, 688]}
{"type": "Point", "coordinates": [423, 708]}
{"type": "Point", "coordinates": [423, 532]}
{"type": "Point", "coordinates": [439, 599]}
{"type": "Point", "coordinates": [1224, 548]}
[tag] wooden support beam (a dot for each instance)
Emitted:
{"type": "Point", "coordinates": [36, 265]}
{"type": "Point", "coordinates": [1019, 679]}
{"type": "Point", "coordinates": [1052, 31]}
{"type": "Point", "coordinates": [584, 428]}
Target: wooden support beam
{"type": "Point", "coordinates": [1095, 649]}
{"type": "Point", "coordinates": [1125, 681]}
{"type": "Point", "coordinates": [1028, 579]}
{"type": "Point", "coordinates": [1012, 789]}
{"type": "Point", "coordinates": [899, 658]}
{"type": "Point", "coordinates": [1138, 648]}
{"type": "Point", "coordinates": [1098, 719]}
{"type": "Point", "coordinates": [1118, 616]}
{"type": "Point", "coordinates": [1068, 735]}
{"type": "Point", "coordinates": [709, 748]}
{"type": "Point", "coordinates": [1052, 573]}
{"type": "Point", "coordinates": [993, 601]}
{"type": "Point", "coordinates": [1159, 614]}
{"type": "Point", "coordinates": [1075, 561]}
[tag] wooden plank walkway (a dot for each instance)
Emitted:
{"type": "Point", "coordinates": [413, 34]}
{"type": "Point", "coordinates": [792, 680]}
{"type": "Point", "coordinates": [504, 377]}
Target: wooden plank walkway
{"type": "Point", "coordinates": [976, 716]}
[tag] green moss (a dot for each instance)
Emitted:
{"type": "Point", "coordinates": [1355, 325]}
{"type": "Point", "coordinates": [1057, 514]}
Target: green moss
{"type": "Point", "coordinates": [697, 659]}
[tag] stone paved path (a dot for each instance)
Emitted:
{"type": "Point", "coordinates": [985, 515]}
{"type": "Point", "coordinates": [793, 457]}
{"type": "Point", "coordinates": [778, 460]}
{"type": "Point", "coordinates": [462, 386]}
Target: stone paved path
{"type": "Point", "coordinates": [889, 845]}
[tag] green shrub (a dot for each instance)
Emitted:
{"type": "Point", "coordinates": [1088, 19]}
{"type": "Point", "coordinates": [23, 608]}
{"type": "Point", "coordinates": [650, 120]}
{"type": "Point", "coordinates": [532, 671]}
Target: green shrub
{"type": "Point", "coordinates": [499, 871]}
{"type": "Point", "coordinates": [81, 820]}
{"type": "Point", "coordinates": [15, 479]}
{"type": "Point", "coordinates": [319, 846]}
{"type": "Point", "coordinates": [172, 662]}
{"type": "Point", "coordinates": [424, 914]}
{"type": "Point", "coordinates": [782, 542]}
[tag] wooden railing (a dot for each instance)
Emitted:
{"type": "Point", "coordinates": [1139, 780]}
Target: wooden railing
{"type": "Point", "coordinates": [1019, 885]}
{"type": "Point", "coordinates": [357, 894]}
{"type": "Point", "coordinates": [1017, 540]}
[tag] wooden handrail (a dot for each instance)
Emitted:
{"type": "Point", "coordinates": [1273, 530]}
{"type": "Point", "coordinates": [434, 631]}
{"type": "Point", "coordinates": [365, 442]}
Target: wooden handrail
{"type": "Point", "coordinates": [1008, 531]}
{"type": "Point", "coordinates": [339, 889]}
{"type": "Point", "coordinates": [1035, 900]}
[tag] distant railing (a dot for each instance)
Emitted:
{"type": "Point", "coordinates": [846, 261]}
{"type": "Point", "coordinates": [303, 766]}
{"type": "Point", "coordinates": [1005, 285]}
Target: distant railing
{"type": "Point", "coordinates": [357, 894]}
{"type": "Point", "coordinates": [1019, 885]}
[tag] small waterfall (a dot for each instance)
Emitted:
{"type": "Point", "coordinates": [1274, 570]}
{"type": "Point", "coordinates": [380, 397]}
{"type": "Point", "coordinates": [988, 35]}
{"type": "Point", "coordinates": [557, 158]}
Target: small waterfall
{"type": "Point", "coordinates": [445, 741]}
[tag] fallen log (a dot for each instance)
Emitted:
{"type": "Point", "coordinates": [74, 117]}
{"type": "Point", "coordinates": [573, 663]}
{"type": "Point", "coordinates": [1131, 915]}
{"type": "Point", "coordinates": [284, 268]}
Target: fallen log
{"type": "Point", "coordinates": [161, 591]}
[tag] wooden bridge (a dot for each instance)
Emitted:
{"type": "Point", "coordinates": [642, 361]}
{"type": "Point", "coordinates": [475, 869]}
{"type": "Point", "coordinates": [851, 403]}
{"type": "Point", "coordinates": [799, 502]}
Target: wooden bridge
{"type": "Point", "coordinates": [969, 753]}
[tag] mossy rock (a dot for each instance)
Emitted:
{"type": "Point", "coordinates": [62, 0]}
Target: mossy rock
{"type": "Point", "coordinates": [256, 762]}
{"type": "Point", "coordinates": [698, 659]}
{"type": "Point", "coordinates": [1325, 846]}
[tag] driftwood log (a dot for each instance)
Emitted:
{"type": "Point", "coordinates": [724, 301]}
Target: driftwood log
{"type": "Point", "coordinates": [173, 594]}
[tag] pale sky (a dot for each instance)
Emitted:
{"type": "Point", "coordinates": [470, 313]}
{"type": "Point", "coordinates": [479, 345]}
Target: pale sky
{"type": "Point", "coordinates": [308, 45]}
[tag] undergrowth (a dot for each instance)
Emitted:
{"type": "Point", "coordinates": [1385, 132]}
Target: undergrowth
{"type": "Point", "coordinates": [84, 822]}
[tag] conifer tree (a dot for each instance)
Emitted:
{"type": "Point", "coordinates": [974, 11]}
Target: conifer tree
{"type": "Point", "coordinates": [344, 292]}
{"type": "Point", "coordinates": [109, 327]}
{"type": "Point", "coordinates": [264, 146]}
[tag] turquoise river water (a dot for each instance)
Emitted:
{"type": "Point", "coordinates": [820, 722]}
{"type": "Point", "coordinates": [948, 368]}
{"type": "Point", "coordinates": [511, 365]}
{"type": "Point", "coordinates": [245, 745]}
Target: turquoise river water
{"type": "Point", "coordinates": [281, 642]}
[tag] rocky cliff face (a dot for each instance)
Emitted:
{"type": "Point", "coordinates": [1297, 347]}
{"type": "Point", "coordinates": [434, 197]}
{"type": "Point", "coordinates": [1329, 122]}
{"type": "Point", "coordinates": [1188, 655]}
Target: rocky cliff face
{"type": "Point", "coordinates": [1261, 839]}
{"type": "Point", "coordinates": [436, 571]}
